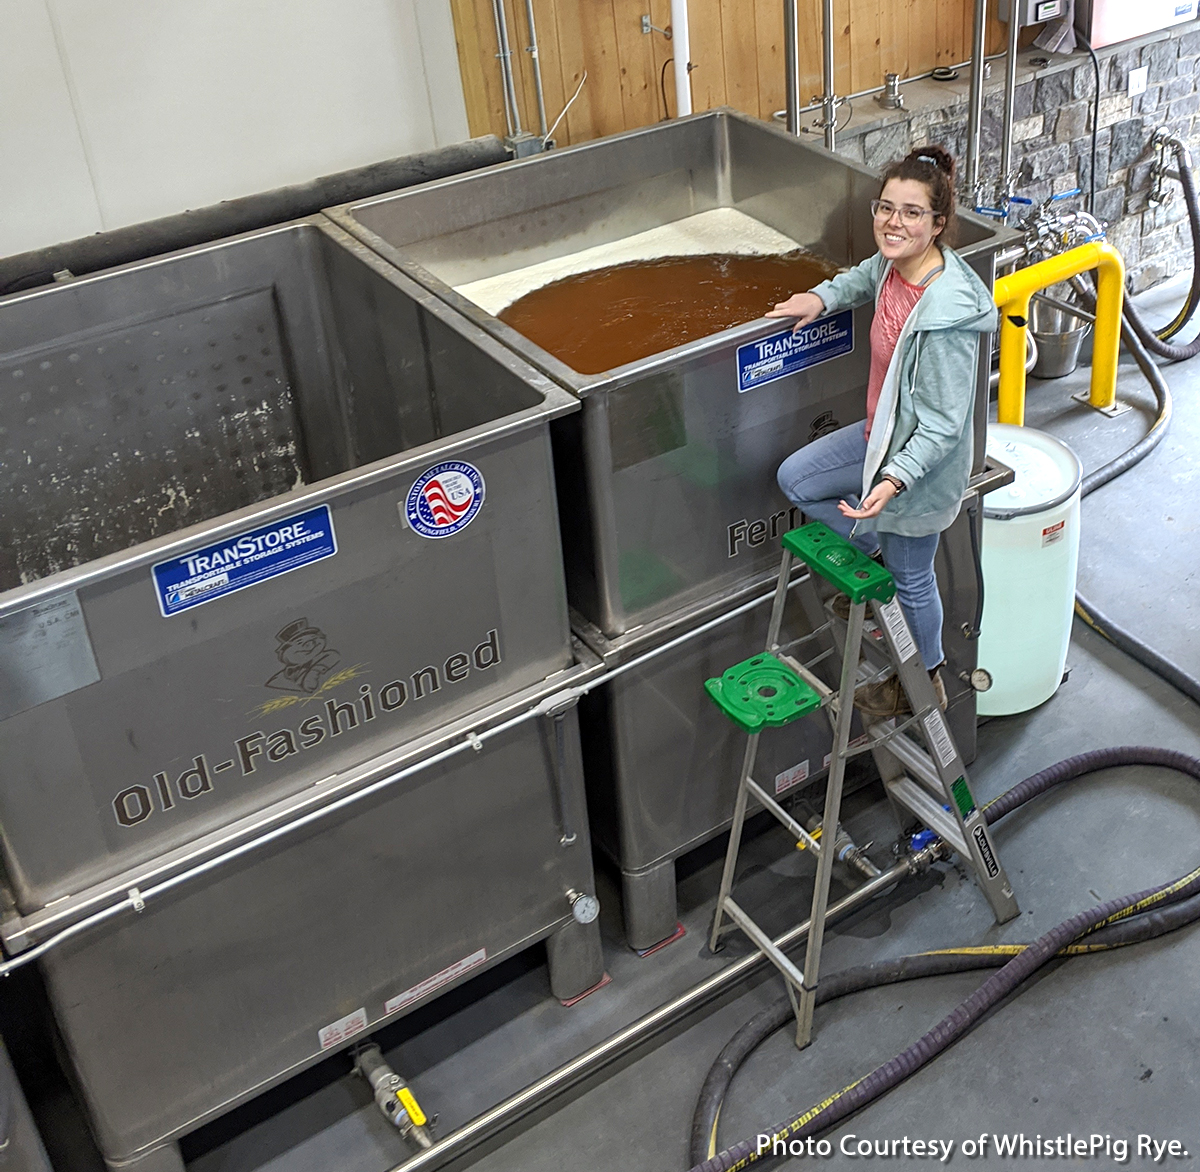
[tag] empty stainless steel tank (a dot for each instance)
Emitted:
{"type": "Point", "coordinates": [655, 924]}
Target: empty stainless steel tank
{"type": "Point", "coordinates": [667, 477]}
{"type": "Point", "coordinates": [274, 517]}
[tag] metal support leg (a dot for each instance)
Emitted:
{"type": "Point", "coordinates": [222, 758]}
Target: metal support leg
{"type": "Point", "coordinates": [829, 821]}
{"type": "Point", "coordinates": [735, 839]}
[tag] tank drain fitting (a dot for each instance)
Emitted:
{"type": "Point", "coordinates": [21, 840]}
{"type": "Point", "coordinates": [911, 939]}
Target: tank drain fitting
{"type": "Point", "coordinates": [846, 850]}
{"type": "Point", "coordinates": [393, 1097]}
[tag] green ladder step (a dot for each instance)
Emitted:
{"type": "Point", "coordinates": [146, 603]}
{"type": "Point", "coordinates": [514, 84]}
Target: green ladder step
{"type": "Point", "coordinates": [840, 562]}
{"type": "Point", "coordinates": [762, 691]}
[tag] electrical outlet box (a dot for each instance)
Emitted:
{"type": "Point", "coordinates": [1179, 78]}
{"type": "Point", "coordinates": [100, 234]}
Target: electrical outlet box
{"type": "Point", "coordinates": [1033, 11]}
{"type": "Point", "coordinates": [1139, 79]}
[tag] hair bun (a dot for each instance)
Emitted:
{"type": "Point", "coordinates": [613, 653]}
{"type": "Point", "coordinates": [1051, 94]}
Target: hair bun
{"type": "Point", "coordinates": [934, 156]}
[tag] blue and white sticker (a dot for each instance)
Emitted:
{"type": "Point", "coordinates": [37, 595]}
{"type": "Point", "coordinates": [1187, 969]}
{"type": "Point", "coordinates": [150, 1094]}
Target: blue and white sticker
{"type": "Point", "coordinates": [768, 359]}
{"type": "Point", "coordinates": [245, 560]}
{"type": "Point", "coordinates": [445, 499]}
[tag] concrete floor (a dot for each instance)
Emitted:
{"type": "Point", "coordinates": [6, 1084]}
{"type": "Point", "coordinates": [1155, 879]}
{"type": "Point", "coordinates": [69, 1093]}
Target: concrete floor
{"type": "Point", "coordinates": [1105, 1044]}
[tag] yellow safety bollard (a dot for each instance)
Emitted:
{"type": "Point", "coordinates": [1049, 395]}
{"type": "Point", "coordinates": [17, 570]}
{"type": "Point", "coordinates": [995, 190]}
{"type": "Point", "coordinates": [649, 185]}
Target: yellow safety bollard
{"type": "Point", "coordinates": [1013, 293]}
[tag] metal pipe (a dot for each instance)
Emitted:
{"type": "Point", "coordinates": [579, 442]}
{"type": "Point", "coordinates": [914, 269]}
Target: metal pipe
{"type": "Point", "coordinates": [791, 64]}
{"type": "Point", "coordinates": [975, 114]}
{"type": "Point", "coordinates": [1013, 293]}
{"type": "Point", "coordinates": [828, 101]}
{"type": "Point", "coordinates": [537, 68]}
{"type": "Point", "coordinates": [512, 115]}
{"type": "Point", "coordinates": [682, 45]}
{"type": "Point", "coordinates": [1010, 102]}
{"type": "Point", "coordinates": [90, 254]}
{"type": "Point", "coordinates": [570, 1074]}
{"type": "Point", "coordinates": [1031, 357]}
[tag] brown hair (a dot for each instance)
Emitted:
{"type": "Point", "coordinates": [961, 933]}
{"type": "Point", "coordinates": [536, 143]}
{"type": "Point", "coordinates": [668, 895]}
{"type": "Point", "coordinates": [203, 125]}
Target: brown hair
{"type": "Point", "coordinates": [932, 166]}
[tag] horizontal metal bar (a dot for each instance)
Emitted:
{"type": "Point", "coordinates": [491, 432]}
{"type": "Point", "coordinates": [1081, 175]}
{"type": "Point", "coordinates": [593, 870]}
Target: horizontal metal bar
{"type": "Point", "coordinates": [912, 755]}
{"type": "Point", "coordinates": [525, 1102]}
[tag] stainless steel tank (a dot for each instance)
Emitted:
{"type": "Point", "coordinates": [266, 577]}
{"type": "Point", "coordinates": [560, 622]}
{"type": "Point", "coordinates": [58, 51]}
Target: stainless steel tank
{"type": "Point", "coordinates": [274, 516]}
{"type": "Point", "coordinates": [667, 477]}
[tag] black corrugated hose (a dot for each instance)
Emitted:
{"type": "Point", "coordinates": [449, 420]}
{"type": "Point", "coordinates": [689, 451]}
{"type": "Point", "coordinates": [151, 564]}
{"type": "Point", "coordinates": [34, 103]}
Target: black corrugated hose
{"type": "Point", "coordinates": [1158, 341]}
{"type": "Point", "coordinates": [1188, 684]}
{"type": "Point", "coordinates": [1113, 924]}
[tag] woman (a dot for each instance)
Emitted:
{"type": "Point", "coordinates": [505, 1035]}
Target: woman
{"type": "Point", "coordinates": [893, 482]}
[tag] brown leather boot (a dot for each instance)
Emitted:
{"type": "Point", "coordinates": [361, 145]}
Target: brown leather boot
{"type": "Point", "coordinates": [886, 698]}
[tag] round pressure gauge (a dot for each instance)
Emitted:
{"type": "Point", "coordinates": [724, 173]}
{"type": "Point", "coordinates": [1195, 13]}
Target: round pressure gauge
{"type": "Point", "coordinates": [585, 908]}
{"type": "Point", "coordinates": [981, 679]}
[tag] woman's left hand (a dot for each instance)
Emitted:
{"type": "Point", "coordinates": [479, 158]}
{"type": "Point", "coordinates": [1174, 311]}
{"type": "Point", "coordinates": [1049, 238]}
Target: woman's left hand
{"type": "Point", "coordinates": [873, 504]}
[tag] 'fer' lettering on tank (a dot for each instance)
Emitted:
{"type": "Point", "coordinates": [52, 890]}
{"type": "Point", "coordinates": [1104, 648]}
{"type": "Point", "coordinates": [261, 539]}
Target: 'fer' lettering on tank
{"type": "Point", "coordinates": [266, 747]}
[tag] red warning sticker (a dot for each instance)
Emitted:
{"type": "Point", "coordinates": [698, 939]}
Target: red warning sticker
{"type": "Point", "coordinates": [1054, 533]}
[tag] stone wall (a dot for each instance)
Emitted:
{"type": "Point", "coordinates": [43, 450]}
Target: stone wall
{"type": "Point", "coordinates": [1052, 137]}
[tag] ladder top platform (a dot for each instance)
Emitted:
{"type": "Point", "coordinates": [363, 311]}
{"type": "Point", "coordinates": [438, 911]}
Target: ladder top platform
{"type": "Point", "coordinates": [840, 563]}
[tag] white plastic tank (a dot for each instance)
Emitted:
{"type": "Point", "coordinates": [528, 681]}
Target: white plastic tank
{"type": "Point", "coordinates": [1030, 556]}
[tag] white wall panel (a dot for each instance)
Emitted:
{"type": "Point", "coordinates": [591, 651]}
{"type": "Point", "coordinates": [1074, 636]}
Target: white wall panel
{"type": "Point", "coordinates": [44, 181]}
{"type": "Point", "coordinates": [182, 103]}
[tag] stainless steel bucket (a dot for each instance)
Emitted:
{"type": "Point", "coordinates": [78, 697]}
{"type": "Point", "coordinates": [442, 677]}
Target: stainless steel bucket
{"type": "Point", "coordinates": [1059, 337]}
{"type": "Point", "coordinates": [667, 478]}
{"type": "Point", "coordinates": [275, 514]}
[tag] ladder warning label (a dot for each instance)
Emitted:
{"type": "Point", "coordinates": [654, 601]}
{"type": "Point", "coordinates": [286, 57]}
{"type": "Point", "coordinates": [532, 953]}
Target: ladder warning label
{"type": "Point", "coordinates": [943, 746]}
{"type": "Point", "coordinates": [343, 1028]}
{"type": "Point", "coordinates": [897, 627]}
{"type": "Point", "coordinates": [428, 985]}
{"type": "Point", "coordinates": [767, 359]}
{"type": "Point", "coordinates": [791, 777]}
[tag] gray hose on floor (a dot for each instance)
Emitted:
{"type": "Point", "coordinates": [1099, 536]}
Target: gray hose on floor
{"type": "Point", "coordinates": [1182, 897]}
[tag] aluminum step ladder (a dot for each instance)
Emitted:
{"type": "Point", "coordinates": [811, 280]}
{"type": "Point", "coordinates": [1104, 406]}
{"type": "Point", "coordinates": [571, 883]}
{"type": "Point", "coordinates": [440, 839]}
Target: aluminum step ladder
{"type": "Point", "coordinates": [927, 778]}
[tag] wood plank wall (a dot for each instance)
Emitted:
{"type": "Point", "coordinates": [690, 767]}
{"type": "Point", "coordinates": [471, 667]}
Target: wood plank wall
{"type": "Point", "coordinates": [737, 55]}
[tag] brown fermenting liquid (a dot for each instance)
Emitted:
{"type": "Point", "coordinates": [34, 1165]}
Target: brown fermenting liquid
{"type": "Point", "coordinates": [604, 318]}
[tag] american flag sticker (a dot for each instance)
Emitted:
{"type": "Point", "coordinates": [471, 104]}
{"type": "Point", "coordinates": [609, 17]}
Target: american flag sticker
{"type": "Point", "coordinates": [444, 499]}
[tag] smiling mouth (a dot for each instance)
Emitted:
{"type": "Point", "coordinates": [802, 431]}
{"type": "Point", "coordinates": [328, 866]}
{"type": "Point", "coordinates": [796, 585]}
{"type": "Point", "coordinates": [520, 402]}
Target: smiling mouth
{"type": "Point", "coordinates": [892, 238]}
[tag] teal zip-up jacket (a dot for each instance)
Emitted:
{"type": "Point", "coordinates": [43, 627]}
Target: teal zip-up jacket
{"type": "Point", "coordinates": [923, 432]}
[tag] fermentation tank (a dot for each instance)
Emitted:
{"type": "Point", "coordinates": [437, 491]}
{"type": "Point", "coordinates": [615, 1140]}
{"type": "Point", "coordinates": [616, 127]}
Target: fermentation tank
{"type": "Point", "coordinates": [666, 478]}
{"type": "Point", "coordinates": [279, 528]}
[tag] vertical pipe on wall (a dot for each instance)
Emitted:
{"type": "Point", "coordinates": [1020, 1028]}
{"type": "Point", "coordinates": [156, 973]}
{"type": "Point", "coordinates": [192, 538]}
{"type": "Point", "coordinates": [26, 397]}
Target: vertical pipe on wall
{"type": "Point", "coordinates": [975, 119]}
{"type": "Point", "coordinates": [683, 57]}
{"type": "Point", "coordinates": [828, 101]}
{"type": "Point", "coordinates": [1010, 101]}
{"type": "Point", "coordinates": [512, 114]}
{"type": "Point", "coordinates": [537, 68]}
{"type": "Point", "coordinates": [791, 64]}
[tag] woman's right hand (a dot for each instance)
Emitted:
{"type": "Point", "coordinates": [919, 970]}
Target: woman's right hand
{"type": "Point", "coordinates": [804, 307]}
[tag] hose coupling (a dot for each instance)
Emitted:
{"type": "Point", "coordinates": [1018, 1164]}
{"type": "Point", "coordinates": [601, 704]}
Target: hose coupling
{"type": "Point", "coordinates": [393, 1096]}
{"type": "Point", "coordinates": [846, 850]}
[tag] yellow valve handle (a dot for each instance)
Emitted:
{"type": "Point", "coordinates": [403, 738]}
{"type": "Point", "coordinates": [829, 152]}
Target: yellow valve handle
{"type": "Point", "coordinates": [802, 845]}
{"type": "Point", "coordinates": [412, 1107]}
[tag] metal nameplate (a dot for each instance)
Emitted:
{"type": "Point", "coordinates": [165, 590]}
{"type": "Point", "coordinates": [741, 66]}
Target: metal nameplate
{"type": "Point", "coordinates": [45, 652]}
{"type": "Point", "coordinates": [245, 560]}
{"type": "Point", "coordinates": [768, 359]}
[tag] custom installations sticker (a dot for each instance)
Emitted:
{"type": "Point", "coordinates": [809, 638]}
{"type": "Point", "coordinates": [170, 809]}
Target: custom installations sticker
{"type": "Point", "coordinates": [768, 359]}
{"type": "Point", "coordinates": [245, 560]}
{"type": "Point", "coordinates": [445, 499]}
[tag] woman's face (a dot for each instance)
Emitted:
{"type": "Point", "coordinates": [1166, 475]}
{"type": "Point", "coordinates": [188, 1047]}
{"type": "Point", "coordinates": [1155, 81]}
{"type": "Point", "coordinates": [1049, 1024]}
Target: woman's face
{"type": "Point", "coordinates": [900, 236]}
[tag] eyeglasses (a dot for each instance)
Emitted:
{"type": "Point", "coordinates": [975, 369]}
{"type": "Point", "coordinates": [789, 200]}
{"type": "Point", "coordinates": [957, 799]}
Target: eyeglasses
{"type": "Point", "coordinates": [909, 214]}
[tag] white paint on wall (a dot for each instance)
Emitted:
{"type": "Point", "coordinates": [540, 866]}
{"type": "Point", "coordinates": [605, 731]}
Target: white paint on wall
{"type": "Point", "coordinates": [44, 179]}
{"type": "Point", "coordinates": [142, 108]}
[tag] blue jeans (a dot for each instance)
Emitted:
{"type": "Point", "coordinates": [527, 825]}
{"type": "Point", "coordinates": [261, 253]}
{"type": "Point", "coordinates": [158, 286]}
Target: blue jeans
{"type": "Point", "coordinates": [830, 469]}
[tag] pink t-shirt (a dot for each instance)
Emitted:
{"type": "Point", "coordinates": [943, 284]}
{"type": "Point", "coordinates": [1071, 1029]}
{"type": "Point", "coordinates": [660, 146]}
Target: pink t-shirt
{"type": "Point", "coordinates": [897, 299]}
